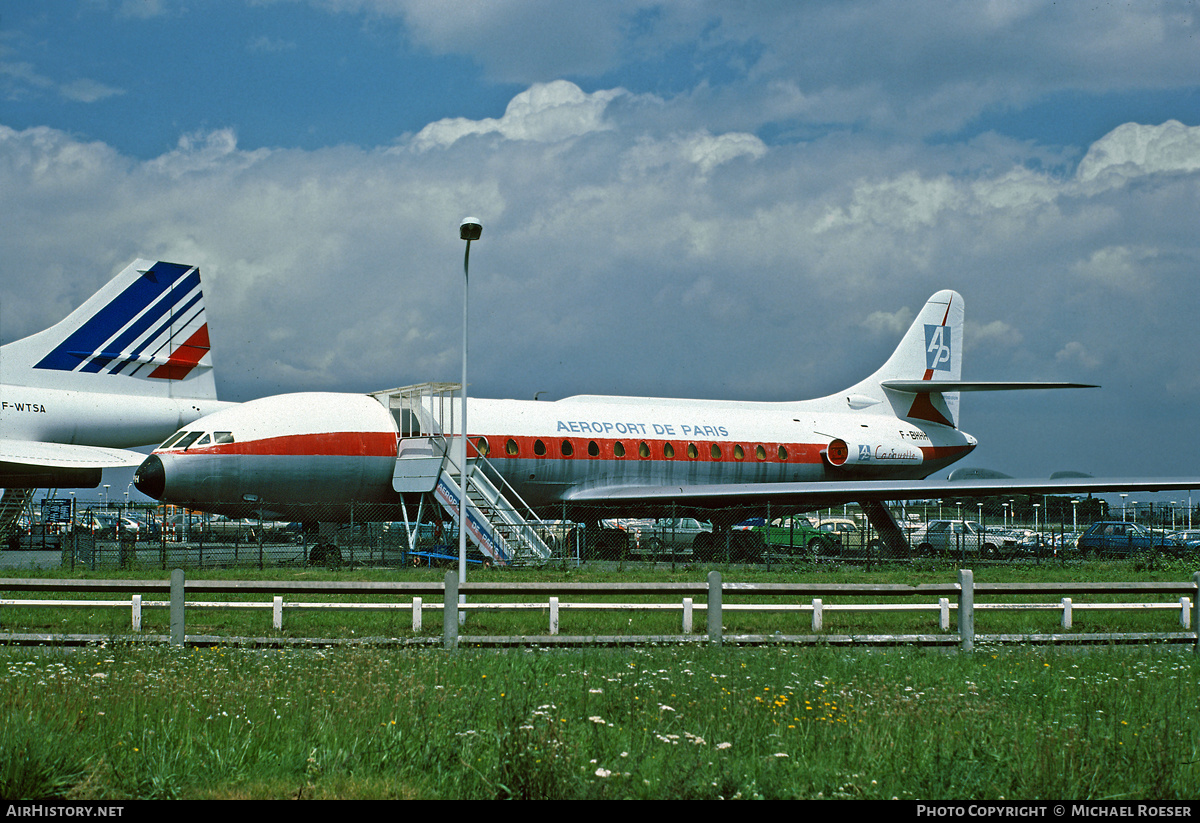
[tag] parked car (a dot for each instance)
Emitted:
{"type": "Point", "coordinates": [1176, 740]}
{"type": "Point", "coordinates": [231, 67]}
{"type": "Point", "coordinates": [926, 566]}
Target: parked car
{"type": "Point", "coordinates": [794, 535]}
{"type": "Point", "coordinates": [246, 530]}
{"type": "Point", "coordinates": [1185, 542]}
{"type": "Point", "coordinates": [106, 525]}
{"type": "Point", "coordinates": [670, 537]}
{"type": "Point", "coordinates": [850, 536]}
{"type": "Point", "coordinates": [955, 537]}
{"type": "Point", "coordinates": [1116, 538]}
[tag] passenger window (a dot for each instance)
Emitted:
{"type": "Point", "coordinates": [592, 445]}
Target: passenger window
{"type": "Point", "coordinates": [567, 448]}
{"type": "Point", "coordinates": [783, 455]}
{"type": "Point", "coordinates": [739, 453]}
{"type": "Point", "coordinates": [760, 453]}
{"type": "Point", "coordinates": [643, 449]}
{"type": "Point", "coordinates": [482, 444]}
{"type": "Point", "coordinates": [619, 449]}
{"type": "Point", "coordinates": [539, 448]}
{"type": "Point", "coordinates": [593, 449]}
{"type": "Point", "coordinates": [668, 451]}
{"type": "Point", "coordinates": [716, 452]}
{"type": "Point", "coordinates": [692, 451]}
{"type": "Point", "coordinates": [511, 447]}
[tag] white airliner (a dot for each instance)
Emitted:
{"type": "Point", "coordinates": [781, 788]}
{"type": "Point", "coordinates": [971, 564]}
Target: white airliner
{"type": "Point", "coordinates": [873, 442]}
{"type": "Point", "coordinates": [126, 368]}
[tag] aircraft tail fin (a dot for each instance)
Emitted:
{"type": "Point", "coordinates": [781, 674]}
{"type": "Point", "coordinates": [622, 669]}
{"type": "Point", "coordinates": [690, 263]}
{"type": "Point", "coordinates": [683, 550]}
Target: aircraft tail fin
{"type": "Point", "coordinates": [922, 378]}
{"type": "Point", "coordinates": [145, 333]}
{"type": "Point", "coordinates": [930, 353]}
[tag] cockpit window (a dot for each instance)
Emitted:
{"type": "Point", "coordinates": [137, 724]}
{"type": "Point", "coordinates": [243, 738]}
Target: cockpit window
{"type": "Point", "coordinates": [220, 438]}
{"type": "Point", "coordinates": [166, 444]}
{"type": "Point", "coordinates": [205, 440]}
{"type": "Point", "coordinates": [186, 440]}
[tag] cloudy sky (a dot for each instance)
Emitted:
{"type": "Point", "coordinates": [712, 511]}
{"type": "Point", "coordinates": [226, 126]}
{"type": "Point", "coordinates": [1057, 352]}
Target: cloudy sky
{"type": "Point", "coordinates": [682, 199]}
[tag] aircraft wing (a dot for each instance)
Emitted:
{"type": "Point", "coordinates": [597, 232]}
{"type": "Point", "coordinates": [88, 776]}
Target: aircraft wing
{"type": "Point", "coordinates": [807, 496]}
{"type": "Point", "coordinates": [35, 454]}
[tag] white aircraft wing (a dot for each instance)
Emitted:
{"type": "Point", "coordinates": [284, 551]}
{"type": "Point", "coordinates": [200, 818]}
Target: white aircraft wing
{"type": "Point", "coordinates": [807, 496]}
{"type": "Point", "coordinates": [37, 455]}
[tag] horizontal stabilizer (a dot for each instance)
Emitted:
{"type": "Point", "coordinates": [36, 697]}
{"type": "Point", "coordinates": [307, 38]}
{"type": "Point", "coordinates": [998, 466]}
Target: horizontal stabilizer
{"type": "Point", "coordinates": [931, 386]}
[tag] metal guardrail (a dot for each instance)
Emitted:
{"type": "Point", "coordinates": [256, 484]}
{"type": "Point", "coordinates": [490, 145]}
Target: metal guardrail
{"type": "Point", "coordinates": [713, 592]}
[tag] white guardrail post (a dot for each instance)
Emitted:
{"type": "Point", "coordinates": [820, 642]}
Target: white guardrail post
{"type": "Point", "coordinates": [450, 612]}
{"type": "Point", "coordinates": [177, 626]}
{"type": "Point", "coordinates": [1196, 612]}
{"type": "Point", "coordinates": [714, 608]}
{"type": "Point", "coordinates": [966, 610]}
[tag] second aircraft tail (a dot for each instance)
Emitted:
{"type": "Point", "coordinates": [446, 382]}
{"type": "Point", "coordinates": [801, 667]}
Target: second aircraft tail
{"type": "Point", "coordinates": [144, 333]}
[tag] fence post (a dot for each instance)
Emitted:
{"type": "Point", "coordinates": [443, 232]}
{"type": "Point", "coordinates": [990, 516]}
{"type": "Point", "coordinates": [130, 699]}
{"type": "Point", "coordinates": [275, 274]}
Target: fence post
{"type": "Point", "coordinates": [177, 634]}
{"type": "Point", "coordinates": [277, 613]}
{"type": "Point", "coordinates": [416, 614]}
{"type": "Point", "coordinates": [714, 607]}
{"type": "Point", "coordinates": [687, 615]}
{"type": "Point", "coordinates": [553, 615]}
{"type": "Point", "coordinates": [450, 611]}
{"type": "Point", "coordinates": [137, 612]}
{"type": "Point", "coordinates": [966, 610]}
{"type": "Point", "coordinates": [1066, 617]}
{"type": "Point", "coordinates": [1196, 612]}
{"type": "Point", "coordinates": [1185, 613]}
{"type": "Point", "coordinates": [818, 621]}
{"type": "Point", "coordinates": [944, 613]}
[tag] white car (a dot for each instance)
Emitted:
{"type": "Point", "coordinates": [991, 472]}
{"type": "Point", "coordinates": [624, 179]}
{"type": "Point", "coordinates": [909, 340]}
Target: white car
{"type": "Point", "coordinates": [954, 537]}
{"type": "Point", "coordinates": [671, 536]}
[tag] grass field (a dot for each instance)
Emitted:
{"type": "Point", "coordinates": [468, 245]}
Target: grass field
{"type": "Point", "coordinates": [652, 722]}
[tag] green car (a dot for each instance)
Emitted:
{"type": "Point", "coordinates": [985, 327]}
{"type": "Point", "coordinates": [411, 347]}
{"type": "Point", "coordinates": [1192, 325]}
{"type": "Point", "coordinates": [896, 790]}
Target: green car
{"type": "Point", "coordinates": [793, 536]}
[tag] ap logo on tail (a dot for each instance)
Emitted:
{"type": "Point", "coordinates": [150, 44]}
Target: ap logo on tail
{"type": "Point", "coordinates": [938, 348]}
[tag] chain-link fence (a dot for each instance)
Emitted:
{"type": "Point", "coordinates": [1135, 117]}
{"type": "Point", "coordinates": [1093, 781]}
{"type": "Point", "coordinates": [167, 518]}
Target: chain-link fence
{"type": "Point", "coordinates": [997, 530]}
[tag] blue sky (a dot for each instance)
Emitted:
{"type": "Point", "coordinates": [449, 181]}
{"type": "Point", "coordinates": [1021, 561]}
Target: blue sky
{"type": "Point", "coordinates": [694, 199]}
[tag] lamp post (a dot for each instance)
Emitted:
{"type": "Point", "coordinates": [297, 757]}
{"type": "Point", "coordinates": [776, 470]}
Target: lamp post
{"type": "Point", "coordinates": [470, 229]}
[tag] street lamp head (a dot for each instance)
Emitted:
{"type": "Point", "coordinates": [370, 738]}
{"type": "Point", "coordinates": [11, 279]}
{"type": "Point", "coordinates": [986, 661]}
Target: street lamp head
{"type": "Point", "coordinates": [470, 229]}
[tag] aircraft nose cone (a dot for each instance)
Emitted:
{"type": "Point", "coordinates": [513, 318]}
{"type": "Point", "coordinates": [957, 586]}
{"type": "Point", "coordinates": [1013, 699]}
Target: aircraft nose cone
{"type": "Point", "coordinates": [150, 478]}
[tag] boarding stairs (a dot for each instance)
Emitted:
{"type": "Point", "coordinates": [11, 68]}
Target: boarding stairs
{"type": "Point", "coordinates": [493, 523]}
{"type": "Point", "coordinates": [426, 463]}
{"type": "Point", "coordinates": [12, 504]}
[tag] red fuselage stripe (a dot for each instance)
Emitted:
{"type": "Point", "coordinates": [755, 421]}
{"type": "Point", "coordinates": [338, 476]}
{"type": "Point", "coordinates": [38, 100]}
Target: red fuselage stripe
{"type": "Point", "coordinates": [383, 444]}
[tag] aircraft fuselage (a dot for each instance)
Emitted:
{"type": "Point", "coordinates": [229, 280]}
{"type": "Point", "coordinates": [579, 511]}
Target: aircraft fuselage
{"type": "Point", "coordinates": [289, 452]}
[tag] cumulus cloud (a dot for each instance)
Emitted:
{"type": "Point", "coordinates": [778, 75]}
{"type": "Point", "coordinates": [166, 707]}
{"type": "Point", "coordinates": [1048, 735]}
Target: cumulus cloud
{"type": "Point", "coordinates": [1076, 354]}
{"type": "Point", "coordinates": [1134, 150]}
{"type": "Point", "coordinates": [890, 324]}
{"type": "Point", "coordinates": [544, 113]}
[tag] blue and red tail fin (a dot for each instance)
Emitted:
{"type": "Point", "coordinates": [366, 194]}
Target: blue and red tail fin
{"type": "Point", "coordinates": [145, 332]}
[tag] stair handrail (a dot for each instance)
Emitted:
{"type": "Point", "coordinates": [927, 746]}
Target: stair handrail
{"type": "Point", "coordinates": [526, 511]}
